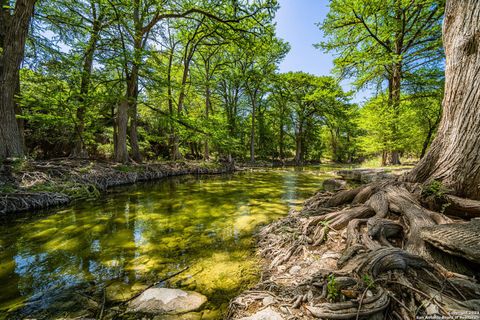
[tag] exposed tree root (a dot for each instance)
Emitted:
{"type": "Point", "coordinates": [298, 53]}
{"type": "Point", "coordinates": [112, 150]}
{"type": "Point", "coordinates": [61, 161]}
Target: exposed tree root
{"type": "Point", "coordinates": [461, 207]}
{"type": "Point", "coordinates": [24, 201]}
{"type": "Point", "coordinates": [353, 308]}
{"type": "Point", "coordinates": [370, 252]}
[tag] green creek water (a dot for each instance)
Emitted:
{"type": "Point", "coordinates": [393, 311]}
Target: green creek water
{"type": "Point", "coordinates": [139, 234]}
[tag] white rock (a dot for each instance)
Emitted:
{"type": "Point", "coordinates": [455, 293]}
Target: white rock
{"type": "Point", "coordinates": [164, 300]}
{"type": "Point", "coordinates": [295, 269]}
{"type": "Point", "coordinates": [268, 301]}
{"type": "Point", "coordinates": [265, 314]}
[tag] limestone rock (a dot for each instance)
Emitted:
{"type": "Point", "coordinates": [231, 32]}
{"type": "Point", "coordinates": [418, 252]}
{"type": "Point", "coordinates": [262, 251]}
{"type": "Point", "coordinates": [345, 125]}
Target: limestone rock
{"type": "Point", "coordinates": [294, 270]}
{"type": "Point", "coordinates": [184, 316]}
{"type": "Point", "coordinates": [167, 301]}
{"type": "Point", "coordinates": [365, 175]}
{"type": "Point", "coordinates": [334, 184]}
{"type": "Point", "coordinates": [265, 314]}
{"type": "Point", "coordinates": [268, 301]}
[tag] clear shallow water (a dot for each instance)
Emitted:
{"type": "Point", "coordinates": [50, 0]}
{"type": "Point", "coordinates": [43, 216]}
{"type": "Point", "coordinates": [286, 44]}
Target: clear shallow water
{"type": "Point", "coordinates": [139, 234]}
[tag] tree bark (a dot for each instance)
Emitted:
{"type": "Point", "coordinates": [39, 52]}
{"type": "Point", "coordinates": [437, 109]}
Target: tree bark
{"type": "Point", "coordinates": [127, 109]}
{"type": "Point", "coordinates": [173, 149]}
{"type": "Point", "coordinates": [13, 33]}
{"type": "Point", "coordinates": [79, 148]}
{"type": "Point", "coordinates": [426, 142]}
{"type": "Point", "coordinates": [299, 145]}
{"type": "Point", "coordinates": [176, 154]}
{"type": "Point", "coordinates": [208, 103]}
{"type": "Point", "coordinates": [181, 95]}
{"type": "Point", "coordinates": [454, 157]}
{"type": "Point", "coordinates": [395, 88]}
{"type": "Point", "coordinates": [281, 139]}
{"type": "Point", "coordinates": [121, 151]}
{"type": "Point", "coordinates": [253, 97]}
{"type": "Point", "coordinates": [132, 96]}
{"type": "Point", "coordinates": [19, 114]}
{"type": "Point", "coordinates": [136, 155]}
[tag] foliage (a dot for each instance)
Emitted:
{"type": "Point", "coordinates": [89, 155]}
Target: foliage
{"type": "Point", "coordinates": [368, 281]}
{"type": "Point", "coordinates": [434, 189]}
{"type": "Point", "coordinates": [393, 46]}
{"type": "Point", "coordinates": [200, 80]}
{"type": "Point", "coordinates": [370, 37]}
{"type": "Point", "coordinates": [332, 291]}
{"type": "Point", "coordinates": [415, 123]}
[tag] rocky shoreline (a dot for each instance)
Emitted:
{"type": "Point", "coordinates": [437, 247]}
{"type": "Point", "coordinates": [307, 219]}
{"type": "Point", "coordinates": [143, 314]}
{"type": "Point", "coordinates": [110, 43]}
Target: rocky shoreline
{"type": "Point", "coordinates": [34, 185]}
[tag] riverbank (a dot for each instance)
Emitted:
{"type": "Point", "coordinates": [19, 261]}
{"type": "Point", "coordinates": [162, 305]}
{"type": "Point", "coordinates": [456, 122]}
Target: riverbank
{"type": "Point", "coordinates": [137, 235]}
{"type": "Point", "coordinates": [337, 258]}
{"type": "Point", "coordinates": [289, 266]}
{"type": "Point", "coordinates": [34, 185]}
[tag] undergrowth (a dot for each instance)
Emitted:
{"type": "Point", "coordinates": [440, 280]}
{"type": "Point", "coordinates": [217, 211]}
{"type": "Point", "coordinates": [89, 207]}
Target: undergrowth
{"type": "Point", "coordinates": [332, 291]}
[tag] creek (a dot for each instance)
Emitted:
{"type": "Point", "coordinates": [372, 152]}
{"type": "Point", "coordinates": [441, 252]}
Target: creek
{"type": "Point", "coordinates": [135, 235]}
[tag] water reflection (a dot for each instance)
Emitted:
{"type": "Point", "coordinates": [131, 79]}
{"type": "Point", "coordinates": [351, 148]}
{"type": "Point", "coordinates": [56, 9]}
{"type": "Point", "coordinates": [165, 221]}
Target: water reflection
{"type": "Point", "coordinates": [139, 234]}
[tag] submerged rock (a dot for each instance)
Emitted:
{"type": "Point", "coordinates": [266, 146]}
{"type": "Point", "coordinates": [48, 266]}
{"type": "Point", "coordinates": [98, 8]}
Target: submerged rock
{"type": "Point", "coordinates": [265, 314]}
{"type": "Point", "coordinates": [184, 316]}
{"type": "Point", "coordinates": [121, 292]}
{"type": "Point", "coordinates": [166, 301]}
{"type": "Point", "coordinates": [59, 305]}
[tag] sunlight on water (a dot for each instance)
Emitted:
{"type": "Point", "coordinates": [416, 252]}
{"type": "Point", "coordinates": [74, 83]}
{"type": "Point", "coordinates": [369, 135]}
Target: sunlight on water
{"type": "Point", "coordinates": [139, 234]}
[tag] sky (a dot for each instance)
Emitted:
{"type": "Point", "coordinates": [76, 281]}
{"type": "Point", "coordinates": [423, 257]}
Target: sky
{"type": "Point", "coordinates": [296, 21]}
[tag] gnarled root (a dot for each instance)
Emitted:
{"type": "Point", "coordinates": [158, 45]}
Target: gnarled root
{"type": "Point", "coordinates": [352, 309]}
{"type": "Point", "coordinates": [382, 239]}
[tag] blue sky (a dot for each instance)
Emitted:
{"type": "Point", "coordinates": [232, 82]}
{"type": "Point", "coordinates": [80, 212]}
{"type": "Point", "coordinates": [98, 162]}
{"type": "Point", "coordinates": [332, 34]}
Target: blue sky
{"type": "Point", "coordinates": [296, 24]}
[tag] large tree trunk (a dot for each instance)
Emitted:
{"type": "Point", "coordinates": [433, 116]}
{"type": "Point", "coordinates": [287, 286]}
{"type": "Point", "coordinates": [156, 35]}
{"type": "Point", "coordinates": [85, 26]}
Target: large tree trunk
{"type": "Point", "coordinates": [176, 154]}
{"type": "Point", "coordinates": [394, 100]}
{"type": "Point", "coordinates": [13, 32]}
{"type": "Point", "coordinates": [208, 103]}
{"type": "Point", "coordinates": [136, 155]}
{"type": "Point", "coordinates": [252, 128]}
{"type": "Point", "coordinates": [132, 92]}
{"type": "Point", "coordinates": [281, 140]}
{"type": "Point", "coordinates": [454, 156]}
{"type": "Point", "coordinates": [19, 114]}
{"type": "Point", "coordinates": [128, 109]}
{"type": "Point", "coordinates": [427, 140]}
{"type": "Point", "coordinates": [299, 145]}
{"type": "Point", "coordinates": [181, 95]}
{"type": "Point", "coordinates": [132, 101]}
{"type": "Point", "coordinates": [171, 140]}
{"type": "Point", "coordinates": [121, 151]}
{"type": "Point", "coordinates": [79, 148]}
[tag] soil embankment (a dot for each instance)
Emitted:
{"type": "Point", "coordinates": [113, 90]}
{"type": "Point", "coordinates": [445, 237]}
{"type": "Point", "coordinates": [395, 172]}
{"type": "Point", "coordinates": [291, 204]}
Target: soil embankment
{"type": "Point", "coordinates": [33, 185]}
